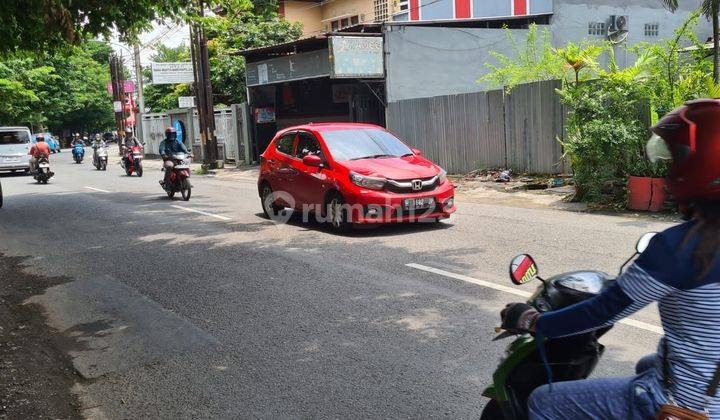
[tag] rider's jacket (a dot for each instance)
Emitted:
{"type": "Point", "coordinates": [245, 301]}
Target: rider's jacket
{"type": "Point", "coordinates": [689, 304]}
{"type": "Point", "coordinates": [172, 147]}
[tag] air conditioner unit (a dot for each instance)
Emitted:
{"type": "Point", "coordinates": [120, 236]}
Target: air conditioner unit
{"type": "Point", "coordinates": [618, 29]}
{"type": "Point", "coordinates": [618, 23]}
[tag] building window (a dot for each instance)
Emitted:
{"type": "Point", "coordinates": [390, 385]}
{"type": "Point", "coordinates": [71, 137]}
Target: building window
{"type": "Point", "coordinates": [381, 10]}
{"type": "Point", "coordinates": [343, 23]}
{"type": "Point", "coordinates": [652, 29]}
{"type": "Point", "coordinates": [404, 5]}
{"type": "Point", "coordinates": [597, 28]}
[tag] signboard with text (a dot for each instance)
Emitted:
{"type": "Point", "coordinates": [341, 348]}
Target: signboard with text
{"type": "Point", "coordinates": [356, 57]}
{"type": "Point", "coordinates": [172, 73]}
{"type": "Point", "coordinates": [186, 102]}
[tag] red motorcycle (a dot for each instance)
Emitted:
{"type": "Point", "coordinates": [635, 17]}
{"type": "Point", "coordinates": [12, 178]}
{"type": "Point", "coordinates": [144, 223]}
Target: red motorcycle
{"type": "Point", "coordinates": [132, 161]}
{"type": "Point", "coordinates": [179, 178]}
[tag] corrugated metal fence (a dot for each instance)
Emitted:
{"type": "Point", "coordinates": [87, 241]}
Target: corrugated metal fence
{"type": "Point", "coordinates": [489, 129]}
{"type": "Point", "coordinates": [230, 131]}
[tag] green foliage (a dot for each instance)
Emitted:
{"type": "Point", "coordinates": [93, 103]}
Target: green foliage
{"type": "Point", "coordinates": [66, 89]}
{"type": "Point", "coordinates": [39, 25]}
{"type": "Point", "coordinates": [605, 135]}
{"type": "Point", "coordinates": [239, 25]}
{"type": "Point", "coordinates": [246, 25]}
{"type": "Point", "coordinates": [578, 57]}
{"type": "Point", "coordinates": [535, 60]}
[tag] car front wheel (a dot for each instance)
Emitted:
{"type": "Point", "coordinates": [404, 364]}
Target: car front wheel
{"type": "Point", "coordinates": [336, 214]}
{"type": "Point", "coordinates": [270, 208]}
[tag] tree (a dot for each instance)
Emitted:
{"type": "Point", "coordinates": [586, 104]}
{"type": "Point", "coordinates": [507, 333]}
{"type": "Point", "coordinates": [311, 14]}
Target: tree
{"type": "Point", "coordinates": [61, 90]}
{"type": "Point", "coordinates": [37, 25]}
{"type": "Point", "coordinates": [242, 25]}
{"type": "Point", "coordinates": [236, 25]}
{"type": "Point", "coordinates": [711, 10]}
{"type": "Point", "coordinates": [533, 61]}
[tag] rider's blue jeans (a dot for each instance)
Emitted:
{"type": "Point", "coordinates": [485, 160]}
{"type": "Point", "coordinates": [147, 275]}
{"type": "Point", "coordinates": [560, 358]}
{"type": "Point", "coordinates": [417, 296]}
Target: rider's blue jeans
{"type": "Point", "coordinates": [637, 397]}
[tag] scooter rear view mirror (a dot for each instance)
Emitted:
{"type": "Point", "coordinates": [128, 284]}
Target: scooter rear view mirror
{"type": "Point", "coordinates": [523, 269]}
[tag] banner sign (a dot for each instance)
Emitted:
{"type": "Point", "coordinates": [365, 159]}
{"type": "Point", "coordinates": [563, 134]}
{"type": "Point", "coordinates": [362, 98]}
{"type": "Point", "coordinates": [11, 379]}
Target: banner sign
{"type": "Point", "coordinates": [186, 102]}
{"type": "Point", "coordinates": [172, 73]}
{"type": "Point", "coordinates": [356, 57]}
{"type": "Point", "coordinates": [300, 66]}
{"type": "Point", "coordinates": [128, 86]}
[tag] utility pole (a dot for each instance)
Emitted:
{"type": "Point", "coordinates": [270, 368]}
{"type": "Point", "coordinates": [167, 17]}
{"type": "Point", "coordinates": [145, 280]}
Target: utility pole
{"type": "Point", "coordinates": [140, 98]}
{"type": "Point", "coordinates": [118, 93]}
{"type": "Point", "coordinates": [203, 91]}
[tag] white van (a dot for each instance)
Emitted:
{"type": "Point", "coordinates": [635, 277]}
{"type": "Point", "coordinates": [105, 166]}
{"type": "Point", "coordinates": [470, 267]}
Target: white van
{"type": "Point", "coordinates": [14, 147]}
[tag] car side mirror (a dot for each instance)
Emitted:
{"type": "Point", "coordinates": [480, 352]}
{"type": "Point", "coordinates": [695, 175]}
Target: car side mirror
{"type": "Point", "coordinates": [313, 160]}
{"type": "Point", "coordinates": [417, 152]}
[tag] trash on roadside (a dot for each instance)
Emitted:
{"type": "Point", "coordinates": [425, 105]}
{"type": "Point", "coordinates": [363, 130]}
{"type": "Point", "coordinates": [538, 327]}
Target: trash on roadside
{"type": "Point", "coordinates": [504, 176]}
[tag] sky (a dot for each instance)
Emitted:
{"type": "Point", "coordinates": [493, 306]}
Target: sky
{"type": "Point", "coordinates": [168, 34]}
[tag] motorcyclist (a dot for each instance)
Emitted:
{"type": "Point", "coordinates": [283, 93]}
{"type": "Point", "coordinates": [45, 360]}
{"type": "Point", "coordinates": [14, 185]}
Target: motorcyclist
{"type": "Point", "coordinates": [37, 151]}
{"type": "Point", "coordinates": [168, 147]}
{"type": "Point", "coordinates": [680, 270]}
{"type": "Point", "coordinates": [98, 142]}
{"type": "Point", "coordinates": [78, 140]}
{"type": "Point", "coordinates": [129, 142]}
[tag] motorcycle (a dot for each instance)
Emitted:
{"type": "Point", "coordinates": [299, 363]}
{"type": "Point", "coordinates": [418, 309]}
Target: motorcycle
{"type": "Point", "coordinates": [43, 173]}
{"type": "Point", "coordinates": [100, 158]}
{"type": "Point", "coordinates": [132, 162]}
{"type": "Point", "coordinates": [78, 152]}
{"type": "Point", "coordinates": [521, 369]}
{"type": "Point", "coordinates": [179, 180]}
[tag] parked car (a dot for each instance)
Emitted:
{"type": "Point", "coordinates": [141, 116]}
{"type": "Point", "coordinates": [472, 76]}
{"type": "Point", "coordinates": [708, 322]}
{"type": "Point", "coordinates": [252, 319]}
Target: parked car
{"type": "Point", "coordinates": [351, 173]}
{"type": "Point", "coordinates": [51, 141]}
{"type": "Point", "coordinates": [14, 147]}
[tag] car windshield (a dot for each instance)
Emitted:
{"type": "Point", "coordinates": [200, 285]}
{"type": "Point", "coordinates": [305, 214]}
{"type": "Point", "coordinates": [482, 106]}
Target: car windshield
{"type": "Point", "coordinates": [13, 137]}
{"type": "Point", "coordinates": [363, 144]}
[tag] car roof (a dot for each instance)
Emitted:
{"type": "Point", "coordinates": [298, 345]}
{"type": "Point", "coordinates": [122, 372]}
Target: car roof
{"type": "Point", "coordinates": [330, 126]}
{"type": "Point", "coordinates": [14, 127]}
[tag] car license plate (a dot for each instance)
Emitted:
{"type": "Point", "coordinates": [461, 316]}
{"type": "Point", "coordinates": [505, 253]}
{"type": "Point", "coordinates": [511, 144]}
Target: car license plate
{"type": "Point", "coordinates": [418, 203]}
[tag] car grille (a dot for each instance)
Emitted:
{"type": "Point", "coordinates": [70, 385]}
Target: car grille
{"type": "Point", "coordinates": [406, 186]}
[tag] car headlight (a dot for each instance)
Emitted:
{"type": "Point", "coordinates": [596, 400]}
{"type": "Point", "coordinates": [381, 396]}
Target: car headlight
{"type": "Point", "coordinates": [367, 181]}
{"type": "Point", "coordinates": [442, 177]}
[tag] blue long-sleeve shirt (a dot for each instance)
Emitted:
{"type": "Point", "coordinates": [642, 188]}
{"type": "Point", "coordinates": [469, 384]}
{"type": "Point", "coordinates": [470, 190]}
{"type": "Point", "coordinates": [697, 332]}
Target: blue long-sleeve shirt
{"type": "Point", "coordinates": [689, 310]}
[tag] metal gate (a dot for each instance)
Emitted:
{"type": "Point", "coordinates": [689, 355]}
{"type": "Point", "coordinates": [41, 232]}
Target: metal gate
{"type": "Point", "coordinates": [153, 131]}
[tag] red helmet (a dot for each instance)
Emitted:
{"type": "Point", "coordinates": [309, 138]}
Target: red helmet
{"type": "Point", "coordinates": [692, 136]}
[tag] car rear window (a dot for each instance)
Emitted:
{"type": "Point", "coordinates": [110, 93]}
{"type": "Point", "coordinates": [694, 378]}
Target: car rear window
{"type": "Point", "coordinates": [14, 137]}
{"type": "Point", "coordinates": [363, 143]}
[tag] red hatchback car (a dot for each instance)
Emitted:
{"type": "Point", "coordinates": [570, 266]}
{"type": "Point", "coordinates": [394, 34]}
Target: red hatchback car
{"type": "Point", "coordinates": [346, 173]}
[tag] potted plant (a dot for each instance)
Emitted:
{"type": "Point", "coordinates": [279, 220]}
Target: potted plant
{"type": "Point", "coordinates": [646, 183]}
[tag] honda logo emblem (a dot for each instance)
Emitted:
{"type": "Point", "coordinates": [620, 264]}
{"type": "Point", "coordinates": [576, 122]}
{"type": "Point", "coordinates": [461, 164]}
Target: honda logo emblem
{"type": "Point", "coordinates": [417, 185]}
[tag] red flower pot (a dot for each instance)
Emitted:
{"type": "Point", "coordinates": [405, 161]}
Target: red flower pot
{"type": "Point", "coordinates": [646, 194]}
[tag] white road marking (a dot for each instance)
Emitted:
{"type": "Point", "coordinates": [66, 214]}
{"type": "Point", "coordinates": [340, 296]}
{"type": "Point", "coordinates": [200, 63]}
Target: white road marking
{"type": "Point", "coordinates": [627, 321]}
{"type": "Point", "coordinates": [217, 216]}
{"type": "Point", "coordinates": [97, 189]}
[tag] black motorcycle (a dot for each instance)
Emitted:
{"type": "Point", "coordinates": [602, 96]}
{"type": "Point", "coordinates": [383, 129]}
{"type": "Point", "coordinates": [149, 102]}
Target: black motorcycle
{"type": "Point", "coordinates": [571, 358]}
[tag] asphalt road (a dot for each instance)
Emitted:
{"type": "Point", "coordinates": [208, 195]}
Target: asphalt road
{"type": "Point", "coordinates": [180, 314]}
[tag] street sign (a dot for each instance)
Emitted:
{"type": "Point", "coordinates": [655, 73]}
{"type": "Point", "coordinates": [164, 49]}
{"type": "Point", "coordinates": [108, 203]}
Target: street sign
{"type": "Point", "coordinates": [172, 73]}
{"type": "Point", "coordinates": [356, 56]}
{"type": "Point", "coordinates": [186, 102]}
{"type": "Point", "coordinates": [128, 86]}
{"type": "Point", "coordinates": [117, 106]}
